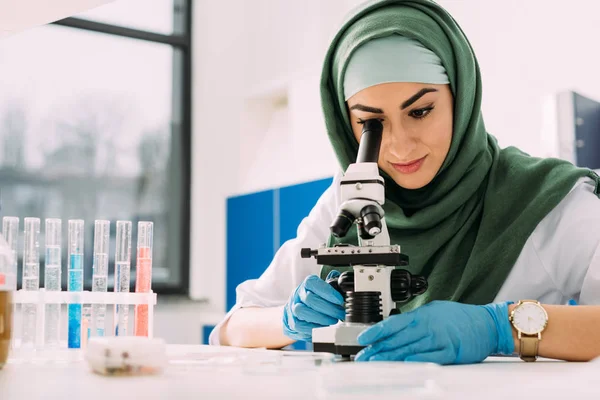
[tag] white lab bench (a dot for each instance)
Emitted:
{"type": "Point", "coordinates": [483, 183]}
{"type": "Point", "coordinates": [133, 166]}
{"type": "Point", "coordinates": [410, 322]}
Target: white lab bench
{"type": "Point", "coordinates": [496, 378]}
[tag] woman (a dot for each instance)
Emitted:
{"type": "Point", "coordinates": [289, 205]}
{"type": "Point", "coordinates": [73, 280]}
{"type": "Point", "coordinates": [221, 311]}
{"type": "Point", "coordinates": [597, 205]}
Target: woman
{"type": "Point", "coordinates": [488, 227]}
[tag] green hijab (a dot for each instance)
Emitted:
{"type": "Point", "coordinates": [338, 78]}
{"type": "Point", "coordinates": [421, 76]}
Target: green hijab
{"type": "Point", "coordinates": [466, 228]}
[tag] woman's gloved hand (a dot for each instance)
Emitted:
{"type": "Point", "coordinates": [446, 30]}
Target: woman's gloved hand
{"type": "Point", "coordinates": [441, 332]}
{"type": "Point", "coordinates": [313, 304]}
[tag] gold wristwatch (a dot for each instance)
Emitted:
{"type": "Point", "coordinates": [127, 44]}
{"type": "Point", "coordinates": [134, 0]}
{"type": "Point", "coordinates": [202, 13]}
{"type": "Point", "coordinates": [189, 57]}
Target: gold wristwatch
{"type": "Point", "coordinates": [530, 319]}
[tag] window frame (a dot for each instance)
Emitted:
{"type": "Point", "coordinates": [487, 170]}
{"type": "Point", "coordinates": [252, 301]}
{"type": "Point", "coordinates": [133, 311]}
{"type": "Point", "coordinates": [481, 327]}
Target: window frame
{"type": "Point", "coordinates": [182, 42]}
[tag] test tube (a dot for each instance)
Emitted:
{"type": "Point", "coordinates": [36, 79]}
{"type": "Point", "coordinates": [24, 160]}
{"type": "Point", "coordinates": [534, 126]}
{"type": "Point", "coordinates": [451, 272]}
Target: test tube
{"type": "Point", "coordinates": [10, 230]}
{"type": "Point", "coordinates": [5, 265]}
{"type": "Point", "coordinates": [122, 275]}
{"type": "Point", "coordinates": [85, 325]}
{"type": "Point", "coordinates": [75, 248]}
{"type": "Point", "coordinates": [100, 274]}
{"type": "Point", "coordinates": [31, 279]}
{"type": "Point", "coordinates": [143, 277]}
{"type": "Point", "coordinates": [52, 280]}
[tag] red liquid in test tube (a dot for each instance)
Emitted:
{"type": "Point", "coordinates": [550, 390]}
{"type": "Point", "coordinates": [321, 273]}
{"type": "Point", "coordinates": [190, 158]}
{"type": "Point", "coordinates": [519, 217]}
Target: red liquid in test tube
{"type": "Point", "coordinates": [143, 278]}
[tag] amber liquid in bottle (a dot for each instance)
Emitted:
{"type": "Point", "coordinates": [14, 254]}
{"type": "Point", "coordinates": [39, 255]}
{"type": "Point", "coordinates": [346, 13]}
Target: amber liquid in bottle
{"type": "Point", "coordinates": [5, 325]}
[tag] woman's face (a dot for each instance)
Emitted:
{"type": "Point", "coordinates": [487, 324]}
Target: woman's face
{"type": "Point", "coordinates": [417, 128]}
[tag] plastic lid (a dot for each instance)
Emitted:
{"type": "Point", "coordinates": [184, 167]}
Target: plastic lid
{"type": "Point", "coordinates": [359, 380]}
{"type": "Point", "coordinates": [267, 362]}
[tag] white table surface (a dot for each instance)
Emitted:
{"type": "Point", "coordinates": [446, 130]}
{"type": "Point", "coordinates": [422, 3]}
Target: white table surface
{"type": "Point", "coordinates": [186, 377]}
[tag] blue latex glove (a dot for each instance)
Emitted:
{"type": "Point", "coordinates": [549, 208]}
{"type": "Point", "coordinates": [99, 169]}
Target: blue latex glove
{"type": "Point", "coordinates": [441, 332]}
{"type": "Point", "coordinates": [313, 304]}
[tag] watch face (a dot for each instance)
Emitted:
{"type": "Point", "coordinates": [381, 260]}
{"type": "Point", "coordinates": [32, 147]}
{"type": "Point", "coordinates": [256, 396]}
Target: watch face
{"type": "Point", "coordinates": [530, 318]}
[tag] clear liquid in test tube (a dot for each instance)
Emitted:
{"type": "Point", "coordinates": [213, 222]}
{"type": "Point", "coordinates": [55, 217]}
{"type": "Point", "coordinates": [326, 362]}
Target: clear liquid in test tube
{"type": "Point", "coordinates": [143, 277]}
{"type": "Point", "coordinates": [100, 274]}
{"type": "Point", "coordinates": [122, 275]}
{"type": "Point", "coordinates": [10, 231]}
{"type": "Point", "coordinates": [75, 281]}
{"type": "Point", "coordinates": [31, 279]}
{"type": "Point", "coordinates": [52, 280]}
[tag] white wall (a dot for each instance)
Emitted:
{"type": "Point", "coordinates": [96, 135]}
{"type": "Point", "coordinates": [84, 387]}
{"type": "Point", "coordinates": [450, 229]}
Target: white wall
{"type": "Point", "coordinates": [257, 50]}
{"type": "Point", "coordinates": [529, 50]}
{"type": "Point", "coordinates": [272, 50]}
{"type": "Point", "coordinates": [219, 58]}
{"type": "Point", "coordinates": [18, 15]}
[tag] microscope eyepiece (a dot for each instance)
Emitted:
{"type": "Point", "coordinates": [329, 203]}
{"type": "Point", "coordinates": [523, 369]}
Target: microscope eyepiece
{"type": "Point", "coordinates": [370, 141]}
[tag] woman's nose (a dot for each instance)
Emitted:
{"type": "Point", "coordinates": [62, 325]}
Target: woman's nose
{"type": "Point", "coordinates": [400, 143]}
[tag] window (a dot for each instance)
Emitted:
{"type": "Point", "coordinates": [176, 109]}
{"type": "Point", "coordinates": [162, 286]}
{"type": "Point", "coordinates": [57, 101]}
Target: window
{"type": "Point", "coordinates": [154, 16]}
{"type": "Point", "coordinates": [95, 124]}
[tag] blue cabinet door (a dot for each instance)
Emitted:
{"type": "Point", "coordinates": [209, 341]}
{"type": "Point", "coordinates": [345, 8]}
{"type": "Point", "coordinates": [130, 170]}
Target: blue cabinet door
{"type": "Point", "coordinates": [259, 223]}
{"type": "Point", "coordinates": [206, 330]}
{"type": "Point", "coordinates": [295, 203]}
{"type": "Point", "coordinates": [250, 239]}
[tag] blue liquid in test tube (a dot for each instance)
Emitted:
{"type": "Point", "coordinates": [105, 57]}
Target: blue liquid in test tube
{"type": "Point", "coordinates": [75, 284]}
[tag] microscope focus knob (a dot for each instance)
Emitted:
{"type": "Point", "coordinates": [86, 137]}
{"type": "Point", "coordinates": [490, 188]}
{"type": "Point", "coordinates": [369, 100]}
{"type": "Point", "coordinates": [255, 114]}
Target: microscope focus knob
{"type": "Point", "coordinates": [404, 285]}
{"type": "Point", "coordinates": [419, 285]}
{"type": "Point", "coordinates": [346, 282]}
{"type": "Point", "coordinates": [307, 252]}
{"type": "Point", "coordinates": [343, 283]}
{"type": "Point", "coordinates": [371, 222]}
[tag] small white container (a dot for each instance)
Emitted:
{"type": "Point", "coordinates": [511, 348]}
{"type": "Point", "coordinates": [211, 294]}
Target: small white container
{"type": "Point", "coordinates": [126, 355]}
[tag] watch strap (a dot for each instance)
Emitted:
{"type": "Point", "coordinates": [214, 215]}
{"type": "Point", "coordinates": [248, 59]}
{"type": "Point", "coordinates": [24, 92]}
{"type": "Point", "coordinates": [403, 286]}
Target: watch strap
{"type": "Point", "coordinates": [529, 348]}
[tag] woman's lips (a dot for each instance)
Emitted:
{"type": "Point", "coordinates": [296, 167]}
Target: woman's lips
{"type": "Point", "coordinates": [410, 167]}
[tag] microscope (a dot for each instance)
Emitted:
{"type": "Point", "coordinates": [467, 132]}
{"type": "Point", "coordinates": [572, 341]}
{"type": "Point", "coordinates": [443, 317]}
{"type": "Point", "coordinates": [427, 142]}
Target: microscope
{"type": "Point", "coordinates": [375, 285]}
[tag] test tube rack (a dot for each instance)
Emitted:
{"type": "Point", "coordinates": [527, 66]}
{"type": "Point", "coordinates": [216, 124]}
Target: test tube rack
{"type": "Point", "coordinates": [42, 297]}
{"type": "Point", "coordinates": [40, 308]}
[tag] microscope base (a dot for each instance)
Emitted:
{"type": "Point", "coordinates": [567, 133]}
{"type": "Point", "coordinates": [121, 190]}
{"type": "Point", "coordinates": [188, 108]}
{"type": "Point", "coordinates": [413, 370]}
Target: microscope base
{"type": "Point", "coordinates": [338, 339]}
{"type": "Point", "coordinates": [344, 351]}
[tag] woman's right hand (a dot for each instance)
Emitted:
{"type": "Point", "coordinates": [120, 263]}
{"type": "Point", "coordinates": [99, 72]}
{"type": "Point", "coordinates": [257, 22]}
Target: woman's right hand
{"type": "Point", "coordinates": [314, 304]}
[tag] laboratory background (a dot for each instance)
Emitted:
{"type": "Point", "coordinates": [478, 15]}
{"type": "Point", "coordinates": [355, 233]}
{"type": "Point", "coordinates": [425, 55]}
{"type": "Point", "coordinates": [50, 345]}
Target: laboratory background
{"type": "Point", "coordinates": [204, 117]}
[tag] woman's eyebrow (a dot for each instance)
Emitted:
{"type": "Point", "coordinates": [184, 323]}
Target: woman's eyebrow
{"type": "Point", "coordinates": [406, 104]}
{"type": "Point", "coordinates": [361, 107]}
{"type": "Point", "coordinates": [417, 96]}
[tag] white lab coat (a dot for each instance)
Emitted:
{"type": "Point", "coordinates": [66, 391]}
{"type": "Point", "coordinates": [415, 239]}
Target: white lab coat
{"type": "Point", "coordinates": [560, 260]}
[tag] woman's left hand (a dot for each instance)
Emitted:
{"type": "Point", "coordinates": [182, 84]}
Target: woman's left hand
{"type": "Point", "coordinates": [442, 332]}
